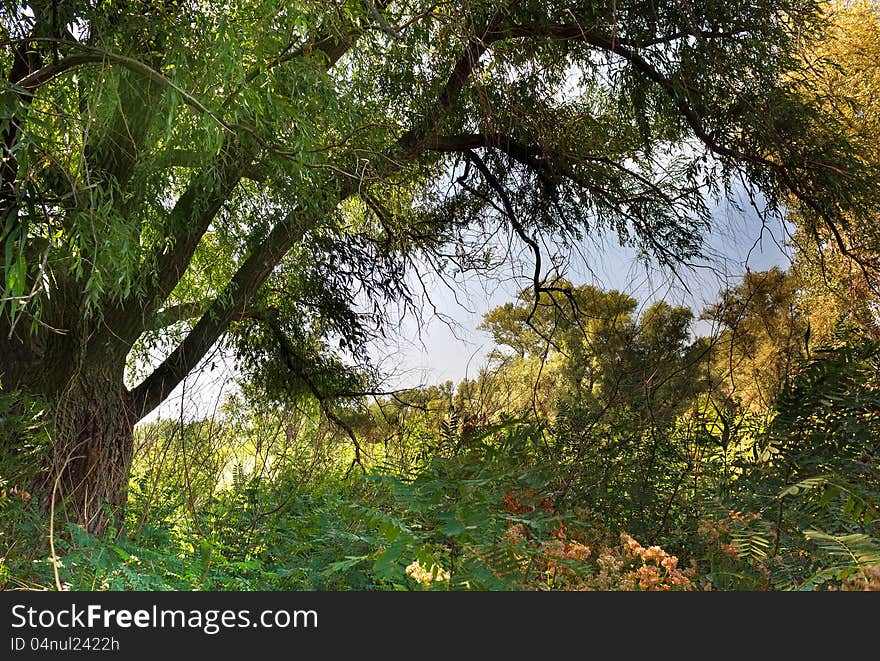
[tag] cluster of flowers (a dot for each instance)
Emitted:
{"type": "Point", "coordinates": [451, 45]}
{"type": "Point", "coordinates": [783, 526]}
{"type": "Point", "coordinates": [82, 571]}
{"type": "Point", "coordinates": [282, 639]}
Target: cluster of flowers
{"type": "Point", "coordinates": [563, 548]}
{"type": "Point", "coordinates": [514, 505]}
{"type": "Point", "coordinates": [15, 491]}
{"type": "Point", "coordinates": [715, 531]}
{"type": "Point", "coordinates": [711, 530]}
{"type": "Point", "coordinates": [630, 566]}
{"type": "Point", "coordinates": [556, 559]}
{"type": "Point", "coordinates": [560, 560]}
{"type": "Point", "coordinates": [425, 575]}
{"type": "Point", "coordinates": [658, 570]}
{"type": "Point", "coordinates": [719, 533]}
{"type": "Point", "coordinates": [569, 560]}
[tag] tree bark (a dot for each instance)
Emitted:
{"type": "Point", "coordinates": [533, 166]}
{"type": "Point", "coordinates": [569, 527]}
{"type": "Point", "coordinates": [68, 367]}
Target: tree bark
{"type": "Point", "coordinates": [85, 473]}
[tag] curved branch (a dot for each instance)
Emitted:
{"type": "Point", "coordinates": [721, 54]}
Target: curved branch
{"type": "Point", "coordinates": [51, 71]}
{"type": "Point", "coordinates": [383, 23]}
{"type": "Point", "coordinates": [624, 49]}
{"type": "Point", "coordinates": [231, 305]}
{"type": "Point", "coordinates": [92, 55]}
{"type": "Point", "coordinates": [496, 185]}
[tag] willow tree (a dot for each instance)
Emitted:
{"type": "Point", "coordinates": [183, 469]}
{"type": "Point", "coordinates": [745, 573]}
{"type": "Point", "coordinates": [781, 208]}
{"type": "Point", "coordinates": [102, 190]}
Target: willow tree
{"type": "Point", "coordinates": [177, 173]}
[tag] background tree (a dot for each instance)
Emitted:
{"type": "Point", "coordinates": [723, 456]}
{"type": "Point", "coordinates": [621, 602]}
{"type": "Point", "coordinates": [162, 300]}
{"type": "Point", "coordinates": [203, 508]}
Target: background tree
{"type": "Point", "coordinates": [764, 337]}
{"type": "Point", "coordinates": [623, 393]}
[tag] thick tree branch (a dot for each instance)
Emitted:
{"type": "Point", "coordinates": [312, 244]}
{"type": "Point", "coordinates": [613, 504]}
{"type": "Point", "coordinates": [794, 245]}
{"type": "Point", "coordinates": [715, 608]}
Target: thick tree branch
{"type": "Point", "coordinates": [530, 155]}
{"type": "Point", "coordinates": [198, 206]}
{"type": "Point", "coordinates": [231, 305]}
{"type": "Point", "coordinates": [188, 221]}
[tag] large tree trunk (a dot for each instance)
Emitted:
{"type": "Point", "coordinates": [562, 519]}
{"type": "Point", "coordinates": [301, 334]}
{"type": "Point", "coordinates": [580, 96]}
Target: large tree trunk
{"type": "Point", "coordinates": [87, 469]}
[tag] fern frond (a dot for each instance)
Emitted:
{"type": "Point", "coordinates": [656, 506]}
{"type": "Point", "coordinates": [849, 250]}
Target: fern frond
{"type": "Point", "coordinates": [858, 549]}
